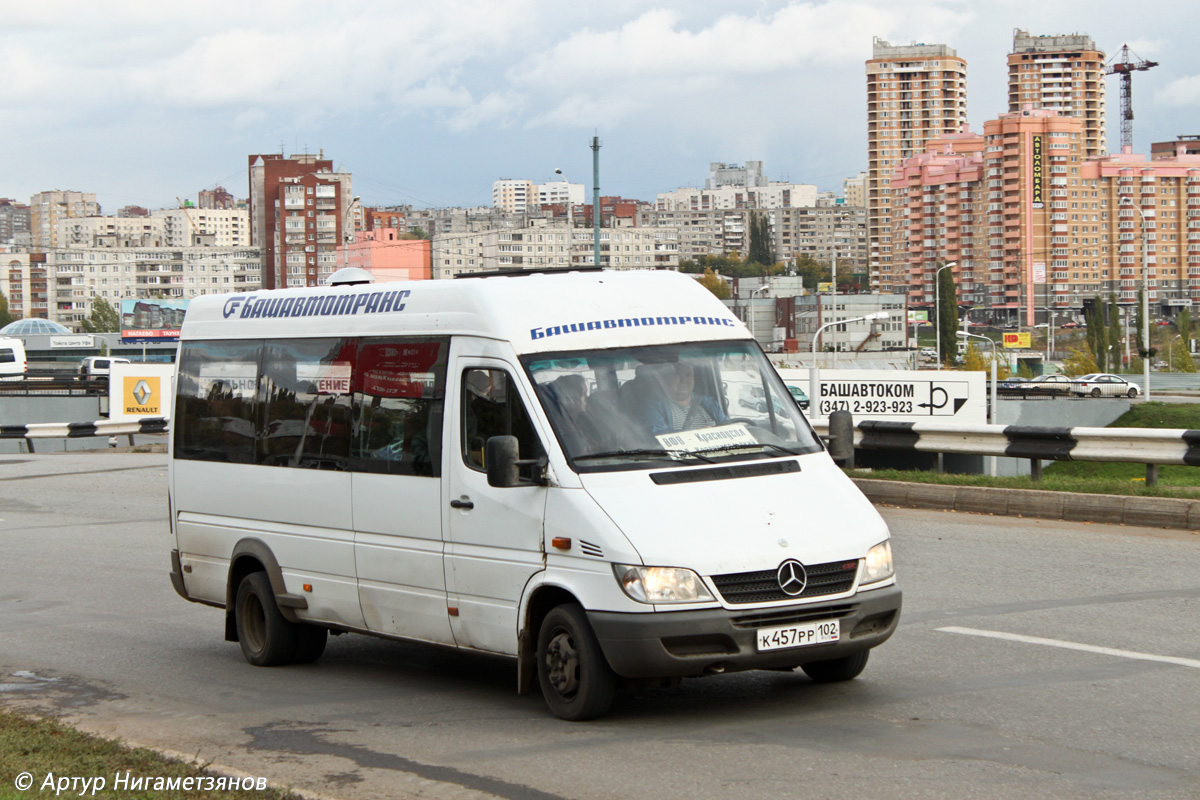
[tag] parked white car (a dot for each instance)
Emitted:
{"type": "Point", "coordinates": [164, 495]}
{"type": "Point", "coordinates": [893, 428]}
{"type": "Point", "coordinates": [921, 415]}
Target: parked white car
{"type": "Point", "coordinates": [1101, 384]}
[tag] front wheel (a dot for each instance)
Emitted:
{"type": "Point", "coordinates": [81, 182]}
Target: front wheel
{"type": "Point", "coordinates": [1132, 392]}
{"type": "Point", "coordinates": [837, 669]}
{"type": "Point", "coordinates": [266, 638]}
{"type": "Point", "coordinates": [575, 678]}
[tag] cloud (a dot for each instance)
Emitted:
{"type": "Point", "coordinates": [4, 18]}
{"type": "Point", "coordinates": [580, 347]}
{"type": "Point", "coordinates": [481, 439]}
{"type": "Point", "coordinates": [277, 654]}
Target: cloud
{"type": "Point", "coordinates": [1183, 92]}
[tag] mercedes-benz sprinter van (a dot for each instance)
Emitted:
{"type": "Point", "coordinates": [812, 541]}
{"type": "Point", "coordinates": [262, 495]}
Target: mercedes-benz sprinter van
{"type": "Point", "coordinates": [549, 467]}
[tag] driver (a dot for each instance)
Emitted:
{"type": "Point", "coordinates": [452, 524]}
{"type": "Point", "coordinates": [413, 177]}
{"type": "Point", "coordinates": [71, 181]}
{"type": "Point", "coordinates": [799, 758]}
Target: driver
{"type": "Point", "coordinates": [680, 408]}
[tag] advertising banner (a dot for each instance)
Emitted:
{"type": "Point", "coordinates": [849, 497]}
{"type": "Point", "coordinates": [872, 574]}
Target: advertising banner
{"type": "Point", "coordinates": [902, 395]}
{"type": "Point", "coordinates": [1038, 199]}
{"type": "Point", "coordinates": [151, 320]}
{"type": "Point", "coordinates": [1019, 340]}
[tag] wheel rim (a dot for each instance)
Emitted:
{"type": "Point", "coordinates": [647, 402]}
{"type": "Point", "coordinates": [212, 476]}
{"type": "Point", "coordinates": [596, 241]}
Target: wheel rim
{"type": "Point", "coordinates": [254, 623]}
{"type": "Point", "coordinates": [562, 663]}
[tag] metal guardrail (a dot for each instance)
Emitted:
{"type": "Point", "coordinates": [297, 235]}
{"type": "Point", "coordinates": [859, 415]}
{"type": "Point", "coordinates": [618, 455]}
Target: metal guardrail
{"type": "Point", "coordinates": [77, 430]}
{"type": "Point", "coordinates": [55, 384]}
{"type": "Point", "coordinates": [1150, 446]}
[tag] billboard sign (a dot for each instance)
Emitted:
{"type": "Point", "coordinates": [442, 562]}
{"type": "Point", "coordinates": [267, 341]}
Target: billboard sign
{"type": "Point", "coordinates": [1038, 198]}
{"type": "Point", "coordinates": [151, 320]}
{"type": "Point", "coordinates": [1019, 340]}
{"type": "Point", "coordinates": [900, 395]}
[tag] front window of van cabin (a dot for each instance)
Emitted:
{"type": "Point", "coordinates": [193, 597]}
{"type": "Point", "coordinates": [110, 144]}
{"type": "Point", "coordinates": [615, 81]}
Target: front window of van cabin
{"type": "Point", "coordinates": [491, 406]}
{"type": "Point", "coordinates": [634, 408]}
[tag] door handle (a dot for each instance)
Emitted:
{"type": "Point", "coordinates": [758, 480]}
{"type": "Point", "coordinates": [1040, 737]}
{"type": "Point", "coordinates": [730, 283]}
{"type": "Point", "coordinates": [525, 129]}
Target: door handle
{"type": "Point", "coordinates": [463, 503]}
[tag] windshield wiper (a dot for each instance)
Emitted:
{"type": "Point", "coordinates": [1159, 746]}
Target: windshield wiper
{"type": "Point", "coordinates": [727, 448]}
{"type": "Point", "coordinates": [647, 452]}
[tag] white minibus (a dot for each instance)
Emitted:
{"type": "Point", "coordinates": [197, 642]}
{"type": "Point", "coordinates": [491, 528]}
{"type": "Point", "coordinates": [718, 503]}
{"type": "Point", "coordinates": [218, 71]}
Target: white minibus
{"type": "Point", "coordinates": [13, 364]}
{"type": "Point", "coordinates": [553, 468]}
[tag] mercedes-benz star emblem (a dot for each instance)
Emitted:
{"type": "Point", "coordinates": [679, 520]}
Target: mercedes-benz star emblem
{"type": "Point", "coordinates": [792, 577]}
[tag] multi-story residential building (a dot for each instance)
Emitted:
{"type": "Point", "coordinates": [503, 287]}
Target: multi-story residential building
{"type": "Point", "coordinates": [1150, 220]}
{"type": "Point", "coordinates": [1064, 74]}
{"type": "Point", "coordinates": [216, 197]}
{"type": "Point", "coordinates": [559, 192]}
{"type": "Point", "coordinates": [23, 280]}
{"type": "Point", "coordinates": [78, 275]}
{"type": "Point", "coordinates": [854, 191]}
{"type": "Point", "coordinates": [553, 245]}
{"type": "Point", "coordinates": [769, 195]}
{"type": "Point", "coordinates": [14, 222]}
{"type": "Point", "coordinates": [701, 233]}
{"type": "Point", "coordinates": [1183, 145]}
{"type": "Point", "coordinates": [47, 208]}
{"type": "Point", "coordinates": [914, 93]}
{"type": "Point", "coordinates": [173, 227]}
{"type": "Point", "coordinates": [803, 317]}
{"type": "Point", "coordinates": [749, 176]}
{"type": "Point", "coordinates": [300, 211]}
{"type": "Point", "coordinates": [824, 233]}
{"type": "Point", "coordinates": [513, 195]}
{"type": "Point", "coordinates": [388, 257]}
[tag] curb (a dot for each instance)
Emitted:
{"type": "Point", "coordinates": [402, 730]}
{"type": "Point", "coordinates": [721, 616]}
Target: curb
{"type": "Point", "coordinates": [1110, 509]}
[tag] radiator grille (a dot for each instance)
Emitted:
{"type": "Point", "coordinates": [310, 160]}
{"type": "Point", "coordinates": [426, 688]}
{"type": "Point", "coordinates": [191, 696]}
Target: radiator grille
{"type": "Point", "coordinates": [763, 586]}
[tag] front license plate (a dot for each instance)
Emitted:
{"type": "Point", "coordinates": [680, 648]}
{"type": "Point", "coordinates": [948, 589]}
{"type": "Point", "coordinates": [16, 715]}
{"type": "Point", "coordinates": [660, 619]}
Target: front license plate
{"type": "Point", "coordinates": [784, 636]}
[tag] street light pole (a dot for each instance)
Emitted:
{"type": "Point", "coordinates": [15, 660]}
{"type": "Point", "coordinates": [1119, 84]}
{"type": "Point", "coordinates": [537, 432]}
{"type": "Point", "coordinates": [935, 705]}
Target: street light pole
{"type": "Point", "coordinates": [1145, 297]}
{"type": "Point", "coordinates": [813, 376]}
{"type": "Point", "coordinates": [937, 308]}
{"type": "Point", "coordinates": [992, 404]}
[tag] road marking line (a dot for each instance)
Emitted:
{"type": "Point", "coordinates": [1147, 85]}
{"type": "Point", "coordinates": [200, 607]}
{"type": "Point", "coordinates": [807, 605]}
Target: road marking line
{"type": "Point", "coordinates": [1087, 648]}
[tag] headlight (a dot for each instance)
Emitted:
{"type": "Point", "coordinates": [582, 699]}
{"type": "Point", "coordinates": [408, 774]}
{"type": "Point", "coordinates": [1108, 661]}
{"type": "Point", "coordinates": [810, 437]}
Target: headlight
{"type": "Point", "coordinates": [879, 563]}
{"type": "Point", "coordinates": [661, 584]}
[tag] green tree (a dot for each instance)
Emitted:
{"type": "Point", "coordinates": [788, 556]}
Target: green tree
{"type": "Point", "coordinates": [973, 360]}
{"type": "Point", "coordinates": [812, 272]}
{"type": "Point", "coordinates": [415, 233]}
{"type": "Point", "coordinates": [103, 319]}
{"type": "Point", "coordinates": [1103, 335]}
{"type": "Point", "coordinates": [947, 319]}
{"type": "Point", "coordinates": [715, 285]}
{"type": "Point", "coordinates": [1183, 324]}
{"type": "Point", "coordinates": [1080, 362]}
{"type": "Point", "coordinates": [5, 316]}
{"type": "Point", "coordinates": [1115, 337]}
{"type": "Point", "coordinates": [1180, 358]}
{"type": "Point", "coordinates": [760, 241]}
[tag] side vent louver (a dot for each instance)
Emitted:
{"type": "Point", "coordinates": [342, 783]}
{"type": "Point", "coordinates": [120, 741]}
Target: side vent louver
{"type": "Point", "coordinates": [590, 549]}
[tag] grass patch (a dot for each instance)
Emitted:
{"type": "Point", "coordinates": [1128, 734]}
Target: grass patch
{"type": "Point", "coordinates": [43, 747]}
{"type": "Point", "coordinates": [1169, 484]}
{"type": "Point", "coordinates": [1090, 477]}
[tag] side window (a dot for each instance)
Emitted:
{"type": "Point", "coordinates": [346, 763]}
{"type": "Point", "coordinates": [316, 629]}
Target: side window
{"type": "Point", "coordinates": [215, 406]}
{"type": "Point", "coordinates": [304, 395]}
{"type": "Point", "coordinates": [491, 406]}
{"type": "Point", "coordinates": [8, 356]}
{"type": "Point", "coordinates": [399, 393]}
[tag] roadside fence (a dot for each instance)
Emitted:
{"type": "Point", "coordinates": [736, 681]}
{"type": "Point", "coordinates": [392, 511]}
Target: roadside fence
{"type": "Point", "coordinates": [76, 430]}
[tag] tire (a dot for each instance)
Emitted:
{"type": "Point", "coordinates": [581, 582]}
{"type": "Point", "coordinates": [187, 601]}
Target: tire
{"type": "Point", "coordinates": [575, 678]}
{"type": "Point", "coordinates": [1096, 392]}
{"type": "Point", "coordinates": [310, 643]}
{"type": "Point", "coordinates": [266, 638]}
{"type": "Point", "coordinates": [837, 669]}
{"type": "Point", "coordinates": [1132, 392]}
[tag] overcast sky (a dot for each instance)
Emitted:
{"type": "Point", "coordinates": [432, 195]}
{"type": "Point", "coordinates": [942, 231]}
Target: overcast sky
{"type": "Point", "coordinates": [428, 103]}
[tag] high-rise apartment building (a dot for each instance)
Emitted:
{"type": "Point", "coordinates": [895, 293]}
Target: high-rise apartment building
{"type": "Point", "coordinates": [914, 93]}
{"type": "Point", "coordinates": [299, 211]}
{"type": "Point", "coordinates": [47, 208]}
{"type": "Point", "coordinates": [1064, 74]}
{"type": "Point", "coordinates": [513, 195]}
{"type": "Point", "coordinates": [14, 222]}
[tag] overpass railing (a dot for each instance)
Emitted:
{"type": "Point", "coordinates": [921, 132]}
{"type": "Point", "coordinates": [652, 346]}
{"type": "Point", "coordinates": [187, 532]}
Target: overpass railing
{"type": "Point", "coordinates": [75, 430]}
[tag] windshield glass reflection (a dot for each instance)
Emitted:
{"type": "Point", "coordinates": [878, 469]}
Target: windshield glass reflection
{"type": "Point", "coordinates": [631, 407]}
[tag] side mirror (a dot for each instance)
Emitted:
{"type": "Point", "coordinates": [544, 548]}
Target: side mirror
{"type": "Point", "coordinates": [502, 456]}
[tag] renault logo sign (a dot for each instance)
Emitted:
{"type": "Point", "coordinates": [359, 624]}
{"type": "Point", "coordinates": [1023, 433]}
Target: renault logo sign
{"type": "Point", "coordinates": [792, 577]}
{"type": "Point", "coordinates": [141, 392]}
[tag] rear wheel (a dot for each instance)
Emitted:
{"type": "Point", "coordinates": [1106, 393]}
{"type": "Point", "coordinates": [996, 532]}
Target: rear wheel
{"type": "Point", "coordinates": [837, 669]}
{"type": "Point", "coordinates": [1096, 392]}
{"type": "Point", "coordinates": [266, 638]}
{"type": "Point", "coordinates": [575, 678]}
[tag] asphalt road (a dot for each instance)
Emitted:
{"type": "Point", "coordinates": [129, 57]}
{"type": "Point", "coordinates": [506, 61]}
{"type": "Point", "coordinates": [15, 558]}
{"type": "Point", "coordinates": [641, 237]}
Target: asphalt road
{"type": "Point", "coordinates": [91, 630]}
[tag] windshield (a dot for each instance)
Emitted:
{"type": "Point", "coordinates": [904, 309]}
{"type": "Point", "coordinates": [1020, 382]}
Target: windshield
{"type": "Point", "coordinates": [628, 408]}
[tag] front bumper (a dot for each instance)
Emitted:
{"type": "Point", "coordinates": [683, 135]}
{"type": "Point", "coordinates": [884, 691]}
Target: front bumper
{"type": "Point", "coordinates": [680, 644]}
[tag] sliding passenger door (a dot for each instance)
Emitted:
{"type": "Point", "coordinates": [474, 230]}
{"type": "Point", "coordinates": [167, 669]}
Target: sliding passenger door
{"type": "Point", "coordinates": [399, 392]}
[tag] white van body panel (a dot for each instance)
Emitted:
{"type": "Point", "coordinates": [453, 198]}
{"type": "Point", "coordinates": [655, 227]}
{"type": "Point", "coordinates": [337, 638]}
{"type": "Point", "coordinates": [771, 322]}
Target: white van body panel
{"type": "Point", "coordinates": [762, 521]}
{"type": "Point", "coordinates": [13, 361]}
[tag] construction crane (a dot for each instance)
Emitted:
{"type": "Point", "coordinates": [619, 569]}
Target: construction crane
{"type": "Point", "coordinates": [187, 211]}
{"type": "Point", "coordinates": [1125, 68]}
